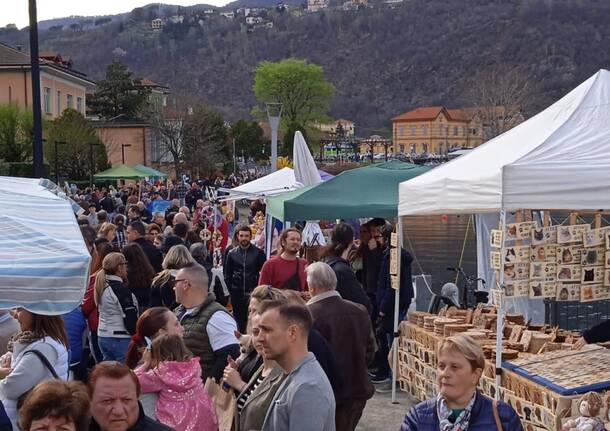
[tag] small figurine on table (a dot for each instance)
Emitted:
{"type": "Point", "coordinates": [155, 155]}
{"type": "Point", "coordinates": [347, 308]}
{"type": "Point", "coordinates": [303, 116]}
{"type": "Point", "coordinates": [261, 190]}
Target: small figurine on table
{"type": "Point", "coordinates": [588, 406]}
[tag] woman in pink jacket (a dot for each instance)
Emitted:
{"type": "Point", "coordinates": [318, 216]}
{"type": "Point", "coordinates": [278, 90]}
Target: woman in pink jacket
{"type": "Point", "coordinates": [170, 370]}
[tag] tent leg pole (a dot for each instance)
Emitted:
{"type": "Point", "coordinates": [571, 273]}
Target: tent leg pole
{"type": "Point", "coordinates": [500, 312]}
{"type": "Point", "coordinates": [268, 234]}
{"type": "Point", "coordinates": [396, 312]}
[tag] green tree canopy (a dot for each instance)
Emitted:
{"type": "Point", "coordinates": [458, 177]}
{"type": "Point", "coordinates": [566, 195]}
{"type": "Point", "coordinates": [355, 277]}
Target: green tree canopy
{"type": "Point", "coordinates": [249, 139]}
{"type": "Point", "coordinates": [119, 96]}
{"type": "Point", "coordinates": [15, 134]}
{"type": "Point", "coordinates": [205, 141]}
{"type": "Point", "coordinates": [299, 86]}
{"type": "Point", "coordinates": [75, 138]}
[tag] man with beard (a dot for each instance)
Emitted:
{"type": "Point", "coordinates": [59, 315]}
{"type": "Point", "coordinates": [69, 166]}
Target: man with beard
{"type": "Point", "coordinates": [242, 268]}
{"type": "Point", "coordinates": [287, 270]}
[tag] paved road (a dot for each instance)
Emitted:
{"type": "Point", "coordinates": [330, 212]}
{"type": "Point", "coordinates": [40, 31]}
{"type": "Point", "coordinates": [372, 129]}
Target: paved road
{"type": "Point", "coordinates": [381, 415]}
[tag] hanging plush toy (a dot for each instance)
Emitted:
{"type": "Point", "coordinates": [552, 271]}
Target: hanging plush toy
{"type": "Point", "coordinates": [217, 253]}
{"type": "Point", "coordinates": [588, 406]}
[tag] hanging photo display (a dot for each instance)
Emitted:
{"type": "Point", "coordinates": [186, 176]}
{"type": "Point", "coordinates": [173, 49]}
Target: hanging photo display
{"type": "Point", "coordinates": [571, 234]}
{"type": "Point", "coordinates": [594, 237]}
{"type": "Point", "coordinates": [544, 235]}
{"type": "Point", "coordinates": [607, 259]}
{"type": "Point", "coordinates": [517, 254]}
{"type": "Point", "coordinates": [496, 260]}
{"type": "Point", "coordinates": [542, 289]}
{"type": "Point", "coordinates": [594, 292]}
{"type": "Point", "coordinates": [496, 238]}
{"type": "Point", "coordinates": [569, 273]}
{"type": "Point", "coordinates": [516, 271]}
{"type": "Point", "coordinates": [568, 292]}
{"type": "Point", "coordinates": [592, 275]}
{"type": "Point", "coordinates": [607, 277]}
{"type": "Point", "coordinates": [569, 255]}
{"type": "Point", "coordinates": [543, 253]}
{"type": "Point", "coordinates": [543, 271]}
{"type": "Point", "coordinates": [593, 256]}
{"type": "Point", "coordinates": [517, 288]}
{"type": "Point", "coordinates": [520, 231]}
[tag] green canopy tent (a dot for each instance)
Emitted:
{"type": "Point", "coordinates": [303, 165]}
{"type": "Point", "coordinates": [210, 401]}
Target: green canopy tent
{"type": "Point", "coordinates": [120, 172]}
{"type": "Point", "coordinates": [152, 173]}
{"type": "Point", "coordinates": [370, 191]}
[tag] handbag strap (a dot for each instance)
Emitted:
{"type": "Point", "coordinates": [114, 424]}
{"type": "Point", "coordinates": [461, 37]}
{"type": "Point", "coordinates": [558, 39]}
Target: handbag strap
{"type": "Point", "coordinates": [497, 416]}
{"type": "Point", "coordinates": [44, 361]}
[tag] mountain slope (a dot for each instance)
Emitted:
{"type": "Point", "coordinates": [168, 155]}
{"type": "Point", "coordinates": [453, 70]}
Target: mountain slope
{"type": "Point", "coordinates": [382, 61]}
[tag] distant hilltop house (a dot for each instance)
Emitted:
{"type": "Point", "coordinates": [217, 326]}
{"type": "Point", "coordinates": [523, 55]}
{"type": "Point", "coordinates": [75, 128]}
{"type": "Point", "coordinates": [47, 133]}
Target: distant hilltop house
{"type": "Point", "coordinates": [177, 19]}
{"type": "Point", "coordinates": [331, 128]}
{"type": "Point", "coordinates": [253, 20]}
{"type": "Point", "coordinates": [229, 15]}
{"type": "Point", "coordinates": [355, 4]}
{"type": "Point", "coordinates": [157, 24]}
{"type": "Point", "coordinates": [209, 12]}
{"type": "Point", "coordinates": [436, 129]}
{"type": "Point", "coordinates": [316, 5]}
{"type": "Point", "coordinates": [62, 87]}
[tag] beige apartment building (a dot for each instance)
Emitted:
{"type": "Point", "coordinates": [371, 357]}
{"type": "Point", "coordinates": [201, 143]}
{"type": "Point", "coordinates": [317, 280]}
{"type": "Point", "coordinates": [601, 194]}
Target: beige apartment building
{"type": "Point", "coordinates": [61, 87]}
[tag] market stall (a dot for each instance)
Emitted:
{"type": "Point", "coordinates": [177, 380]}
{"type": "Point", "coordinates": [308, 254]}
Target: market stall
{"type": "Point", "coordinates": [558, 159]}
{"type": "Point", "coordinates": [44, 262]}
{"type": "Point", "coordinates": [120, 172]}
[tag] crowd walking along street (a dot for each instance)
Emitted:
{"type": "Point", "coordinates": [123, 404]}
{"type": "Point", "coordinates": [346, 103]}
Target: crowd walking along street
{"type": "Point", "coordinates": [219, 217]}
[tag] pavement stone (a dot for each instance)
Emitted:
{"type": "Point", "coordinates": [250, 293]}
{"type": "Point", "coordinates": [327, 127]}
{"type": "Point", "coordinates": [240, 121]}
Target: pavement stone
{"type": "Point", "coordinates": [381, 415]}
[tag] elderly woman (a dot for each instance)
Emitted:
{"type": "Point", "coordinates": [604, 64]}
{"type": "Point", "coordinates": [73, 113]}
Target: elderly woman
{"type": "Point", "coordinates": [56, 405]}
{"type": "Point", "coordinates": [458, 405]}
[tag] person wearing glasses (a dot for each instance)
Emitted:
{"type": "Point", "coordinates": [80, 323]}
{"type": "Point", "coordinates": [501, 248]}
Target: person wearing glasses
{"type": "Point", "coordinates": [117, 307]}
{"type": "Point", "coordinates": [209, 329]}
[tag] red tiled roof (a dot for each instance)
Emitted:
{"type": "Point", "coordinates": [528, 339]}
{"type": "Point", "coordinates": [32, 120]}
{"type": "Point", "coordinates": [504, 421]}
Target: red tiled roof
{"type": "Point", "coordinates": [145, 82]}
{"type": "Point", "coordinates": [420, 114]}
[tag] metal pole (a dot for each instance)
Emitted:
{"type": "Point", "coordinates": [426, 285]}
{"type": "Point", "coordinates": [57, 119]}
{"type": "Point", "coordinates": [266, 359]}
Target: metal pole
{"type": "Point", "coordinates": [396, 311]}
{"type": "Point", "coordinates": [500, 313]}
{"type": "Point", "coordinates": [274, 122]}
{"type": "Point", "coordinates": [37, 152]}
{"type": "Point", "coordinates": [123, 152]}
{"type": "Point", "coordinates": [234, 169]}
{"type": "Point", "coordinates": [91, 164]}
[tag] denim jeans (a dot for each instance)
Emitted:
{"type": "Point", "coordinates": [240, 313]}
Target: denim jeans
{"type": "Point", "coordinates": [114, 349]}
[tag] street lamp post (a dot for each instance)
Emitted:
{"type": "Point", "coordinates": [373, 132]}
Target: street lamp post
{"type": "Point", "coordinates": [123, 151]}
{"type": "Point", "coordinates": [91, 145]}
{"type": "Point", "coordinates": [57, 160]}
{"type": "Point", "coordinates": [37, 153]}
{"type": "Point", "coordinates": [274, 112]}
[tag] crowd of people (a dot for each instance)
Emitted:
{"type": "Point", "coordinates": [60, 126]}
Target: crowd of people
{"type": "Point", "coordinates": [188, 326]}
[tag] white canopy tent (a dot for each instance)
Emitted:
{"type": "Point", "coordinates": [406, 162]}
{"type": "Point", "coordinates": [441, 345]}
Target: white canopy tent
{"type": "Point", "coordinates": [558, 159]}
{"type": "Point", "coordinates": [558, 152]}
{"type": "Point", "coordinates": [272, 184]}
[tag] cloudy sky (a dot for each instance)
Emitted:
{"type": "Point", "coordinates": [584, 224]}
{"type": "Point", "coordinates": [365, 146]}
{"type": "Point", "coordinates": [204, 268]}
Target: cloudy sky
{"type": "Point", "coordinates": [16, 11]}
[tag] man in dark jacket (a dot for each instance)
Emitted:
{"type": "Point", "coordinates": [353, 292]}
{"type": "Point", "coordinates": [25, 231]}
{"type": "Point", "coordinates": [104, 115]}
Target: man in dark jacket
{"type": "Point", "coordinates": [241, 271]}
{"type": "Point", "coordinates": [209, 329]}
{"type": "Point", "coordinates": [107, 203]}
{"type": "Point", "coordinates": [386, 298]}
{"type": "Point", "coordinates": [135, 233]}
{"type": "Point", "coordinates": [114, 391]}
{"type": "Point", "coordinates": [192, 196]}
{"type": "Point", "coordinates": [335, 318]}
{"type": "Point", "coordinates": [347, 284]}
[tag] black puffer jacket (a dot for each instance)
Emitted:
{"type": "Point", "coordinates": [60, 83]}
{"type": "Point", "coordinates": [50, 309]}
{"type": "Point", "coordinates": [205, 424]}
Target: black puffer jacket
{"type": "Point", "coordinates": [347, 284]}
{"type": "Point", "coordinates": [242, 268]}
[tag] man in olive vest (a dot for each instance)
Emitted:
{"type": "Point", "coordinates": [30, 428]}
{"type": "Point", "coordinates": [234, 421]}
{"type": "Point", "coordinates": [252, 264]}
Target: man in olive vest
{"type": "Point", "coordinates": [209, 329]}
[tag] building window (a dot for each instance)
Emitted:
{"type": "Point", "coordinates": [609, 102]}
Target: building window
{"type": "Point", "coordinates": [401, 131]}
{"type": "Point", "coordinates": [413, 131]}
{"type": "Point", "coordinates": [70, 101]}
{"type": "Point", "coordinates": [425, 146]}
{"type": "Point", "coordinates": [46, 100]}
{"type": "Point", "coordinates": [413, 148]}
{"type": "Point", "coordinates": [58, 102]}
{"type": "Point", "coordinates": [424, 130]}
{"type": "Point", "coordinates": [455, 131]}
{"type": "Point", "coordinates": [79, 104]}
{"type": "Point", "coordinates": [402, 148]}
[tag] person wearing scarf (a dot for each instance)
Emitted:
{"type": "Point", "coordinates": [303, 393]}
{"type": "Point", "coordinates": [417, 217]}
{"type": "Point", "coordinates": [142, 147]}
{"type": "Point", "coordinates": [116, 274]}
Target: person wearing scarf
{"type": "Point", "coordinates": [458, 405]}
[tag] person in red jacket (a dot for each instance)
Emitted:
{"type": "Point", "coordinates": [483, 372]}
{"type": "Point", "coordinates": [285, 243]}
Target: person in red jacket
{"type": "Point", "coordinates": [88, 306]}
{"type": "Point", "coordinates": [287, 270]}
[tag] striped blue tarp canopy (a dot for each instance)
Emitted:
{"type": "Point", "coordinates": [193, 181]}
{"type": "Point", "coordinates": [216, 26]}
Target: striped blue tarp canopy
{"type": "Point", "coordinates": [44, 263]}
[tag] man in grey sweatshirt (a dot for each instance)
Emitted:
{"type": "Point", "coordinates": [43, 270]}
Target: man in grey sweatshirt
{"type": "Point", "coordinates": [305, 400]}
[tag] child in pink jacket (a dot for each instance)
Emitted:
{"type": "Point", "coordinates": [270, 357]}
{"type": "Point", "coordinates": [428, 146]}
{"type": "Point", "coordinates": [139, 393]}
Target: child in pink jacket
{"type": "Point", "coordinates": [171, 370]}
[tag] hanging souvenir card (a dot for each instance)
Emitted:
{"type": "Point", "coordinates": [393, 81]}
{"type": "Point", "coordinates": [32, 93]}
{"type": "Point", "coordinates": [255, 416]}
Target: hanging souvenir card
{"type": "Point", "coordinates": [594, 237]}
{"type": "Point", "coordinates": [571, 234]}
{"type": "Point", "coordinates": [592, 256]}
{"type": "Point", "coordinates": [569, 273]}
{"type": "Point", "coordinates": [568, 292]}
{"type": "Point", "coordinates": [496, 238]}
{"type": "Point", "coordinates": [592, 275]}
{"type": "Point", "coordinates": [496, 260]}
{"type": "Point", "coordinates": [594, 292]}
{"type": "Point", "coordinates": [546, 271]}
{"type": "Point", "coordinates": [543, 253]}
{"type": "Point", "coordinates": [516, 289]}
{"type": "Point", "coordinates": [569, 255]}
{"type": "Point", "coordinates": [544, 235]}
{"type": "Point", "coordinates": [516, 271]}
{"type": "Point", "coordinates": [517, 254]}
{"type": "Point", "coordinates": [542, 289]}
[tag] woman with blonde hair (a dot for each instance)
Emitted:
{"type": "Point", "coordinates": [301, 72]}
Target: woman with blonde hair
{"type": "Point", "coordinates": [458, 405]}
{"type": "Point", "coordinates": [162, 289]}
{"type": "Point", "coordinates": [117, 307]}
{"type": "Point", "coordinates": [107, 231]}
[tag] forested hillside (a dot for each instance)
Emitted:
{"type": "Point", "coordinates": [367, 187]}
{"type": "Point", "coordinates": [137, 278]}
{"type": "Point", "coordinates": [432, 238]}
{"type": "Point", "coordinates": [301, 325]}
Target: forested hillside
{"type": "Point", "coordinates": [382, 61]}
